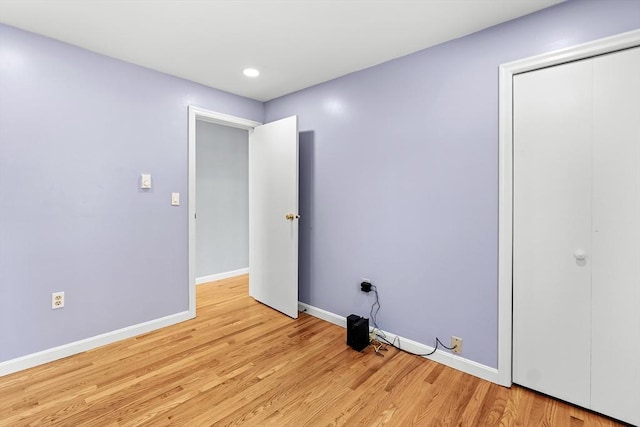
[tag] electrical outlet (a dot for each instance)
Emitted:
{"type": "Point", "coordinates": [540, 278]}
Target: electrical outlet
{"type": "Point", "coordinates": [365, 285]}
{"type": "Point", "coordinates": [57, 300]}
{"type": "Point", "coordinates": [456, 344]}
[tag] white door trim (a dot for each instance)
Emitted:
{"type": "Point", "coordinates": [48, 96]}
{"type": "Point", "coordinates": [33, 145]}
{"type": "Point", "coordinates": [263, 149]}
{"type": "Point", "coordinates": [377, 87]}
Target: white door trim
{"type": "Point", "coordinates": [196, 113]}
{"type": "Point", "coordinates": [505, 196]}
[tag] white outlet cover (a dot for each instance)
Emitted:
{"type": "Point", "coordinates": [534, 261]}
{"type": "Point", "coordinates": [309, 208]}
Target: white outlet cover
{"type": "Point", "coordinates": [57, 300]}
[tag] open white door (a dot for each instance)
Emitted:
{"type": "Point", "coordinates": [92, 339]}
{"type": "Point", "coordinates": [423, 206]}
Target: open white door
{"type": "Point", "coordinates": [273, 215]}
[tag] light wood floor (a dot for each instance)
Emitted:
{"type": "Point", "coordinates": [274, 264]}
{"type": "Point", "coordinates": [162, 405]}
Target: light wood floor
{"type": "Point", "coordinates": [241, 363]}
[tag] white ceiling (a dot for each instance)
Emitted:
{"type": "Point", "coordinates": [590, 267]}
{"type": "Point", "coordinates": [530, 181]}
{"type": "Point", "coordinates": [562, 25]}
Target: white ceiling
{"type": "Point", "coordinates": [294, 43]}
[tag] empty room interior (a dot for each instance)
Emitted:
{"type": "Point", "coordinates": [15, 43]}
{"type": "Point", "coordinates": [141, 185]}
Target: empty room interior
{"type": "Point", "coordinates": [320, 212]}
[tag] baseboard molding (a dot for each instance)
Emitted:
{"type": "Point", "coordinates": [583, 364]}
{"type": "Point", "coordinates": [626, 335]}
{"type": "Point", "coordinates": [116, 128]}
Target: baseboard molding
{"type": "Point", "coordinates": [220, 276]}
{"type": "Point", "coordinates": [441, 356]}
{"type": "Point", "coordinates": [45, 356]}
{"type": "Point", "coordinates": [322, 314]}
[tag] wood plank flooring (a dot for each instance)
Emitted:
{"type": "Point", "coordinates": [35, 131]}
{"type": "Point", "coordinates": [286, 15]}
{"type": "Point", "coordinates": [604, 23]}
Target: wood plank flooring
{"type": "Point", "coordinates": [241, 363]}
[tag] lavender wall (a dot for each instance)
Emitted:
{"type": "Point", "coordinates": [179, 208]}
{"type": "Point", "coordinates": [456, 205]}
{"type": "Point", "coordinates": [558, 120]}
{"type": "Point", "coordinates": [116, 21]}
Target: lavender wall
{"type": "Point", "coordinates": [76, 130]}
{"type": "Point", "coordinates": [399, 177]}
{"type": "Point", "coordinates": [398, 183]}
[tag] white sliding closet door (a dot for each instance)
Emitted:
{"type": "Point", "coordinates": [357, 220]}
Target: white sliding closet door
{"type": "Point", "coordinates": [552, 204]}
{"type": "Point", "coordinates": [615, 323]}
{"type": "Point", "coordinates": [576, 259]}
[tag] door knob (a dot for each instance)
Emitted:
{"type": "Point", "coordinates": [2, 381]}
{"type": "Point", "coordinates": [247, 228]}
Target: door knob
{"type": "Point", "coordinates": [580, 254]}
{"type": "Point", "coordinates": [291, 216]}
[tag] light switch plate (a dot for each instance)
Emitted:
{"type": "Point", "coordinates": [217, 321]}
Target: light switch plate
{"type": "Point", "coordinates": [175, 199]}
{"type": "Point", "coordinates": [145, 181]}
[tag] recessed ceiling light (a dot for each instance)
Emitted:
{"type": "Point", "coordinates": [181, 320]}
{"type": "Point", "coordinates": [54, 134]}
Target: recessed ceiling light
{"type": "Point", "coordinates": [251, 72]}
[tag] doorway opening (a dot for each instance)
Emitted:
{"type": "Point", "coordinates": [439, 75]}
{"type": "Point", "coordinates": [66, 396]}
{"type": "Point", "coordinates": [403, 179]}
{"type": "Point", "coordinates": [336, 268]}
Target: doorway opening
{"type": "Point", "coordinates": [201, 115]}
{"type": "Point", "coordinates": [222, 186]}
{"type": "Point", "coordinates": [272, 208]}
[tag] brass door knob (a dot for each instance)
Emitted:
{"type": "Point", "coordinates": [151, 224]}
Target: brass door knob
{"type": "Point", "coordinates": [291, 216]}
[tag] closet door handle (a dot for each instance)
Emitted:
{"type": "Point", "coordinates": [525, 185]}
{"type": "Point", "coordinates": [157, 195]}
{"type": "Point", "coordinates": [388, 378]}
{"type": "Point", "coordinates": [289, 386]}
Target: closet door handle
{"type": "Point", "coordinates": [580, 254]}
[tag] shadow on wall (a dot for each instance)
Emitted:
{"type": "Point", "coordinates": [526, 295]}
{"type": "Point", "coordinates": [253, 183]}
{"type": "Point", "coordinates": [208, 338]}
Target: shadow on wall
{"type": "Point", "coordinates": [306, 208]}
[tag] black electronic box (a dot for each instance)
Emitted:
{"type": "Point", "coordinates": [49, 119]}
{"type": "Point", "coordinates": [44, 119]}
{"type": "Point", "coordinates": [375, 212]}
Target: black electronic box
{"type": "Point", "coordinates": [357, 332]}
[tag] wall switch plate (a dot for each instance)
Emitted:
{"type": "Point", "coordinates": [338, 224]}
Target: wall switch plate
{"type": "Point", "coordinates": [57, 300]}
{"type": "Point", "coordinates": [145, 181]}
{"type": "Point", "coordinates": [175, 199]}
{"type": "Point", "coordinates": [456, 344]}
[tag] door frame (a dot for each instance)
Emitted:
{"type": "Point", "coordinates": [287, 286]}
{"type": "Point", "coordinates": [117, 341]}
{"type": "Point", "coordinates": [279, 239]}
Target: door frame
{"type": "Point", "coordinates": [505, 192]}
{"type": "Point", "coordinates": [194, 114]}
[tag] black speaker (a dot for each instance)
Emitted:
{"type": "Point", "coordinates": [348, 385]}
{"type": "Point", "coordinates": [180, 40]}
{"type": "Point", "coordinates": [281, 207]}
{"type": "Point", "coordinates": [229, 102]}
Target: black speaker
{"type": "Point", "coordinates": [357, 332]}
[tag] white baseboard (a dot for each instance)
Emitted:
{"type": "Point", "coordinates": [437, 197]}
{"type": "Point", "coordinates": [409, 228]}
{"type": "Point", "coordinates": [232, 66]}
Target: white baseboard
{"type": "Point", "coordinates": [441, 356]}
{"type": "Point", "coordinates": [220, 276]}
{"type": "Point", "coordinates": [322, 314]}
{"type": "Point", "coordinates": [45, 356]}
